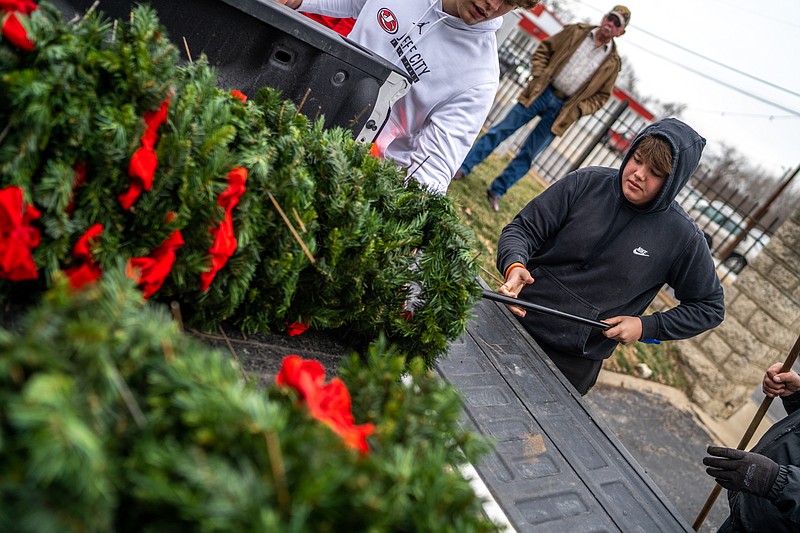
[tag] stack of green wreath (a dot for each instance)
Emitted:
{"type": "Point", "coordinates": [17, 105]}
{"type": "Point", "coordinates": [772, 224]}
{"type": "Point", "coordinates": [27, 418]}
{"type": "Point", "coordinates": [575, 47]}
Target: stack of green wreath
{"type": "Point", "coordinates": [239, 208]}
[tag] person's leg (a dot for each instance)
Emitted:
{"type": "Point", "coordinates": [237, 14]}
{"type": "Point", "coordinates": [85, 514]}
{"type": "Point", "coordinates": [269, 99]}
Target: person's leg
{"type": "Point", "coordinates": [537, 141]}
{"type": "Point", "coordinates": [514, 120]}
{"type": "Point", "coordinates": [549, 107]}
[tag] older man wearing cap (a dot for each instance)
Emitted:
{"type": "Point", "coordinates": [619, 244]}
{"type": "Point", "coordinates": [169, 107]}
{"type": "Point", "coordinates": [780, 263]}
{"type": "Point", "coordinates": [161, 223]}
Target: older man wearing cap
{"type": "Point", "coordinates": [572, 74]}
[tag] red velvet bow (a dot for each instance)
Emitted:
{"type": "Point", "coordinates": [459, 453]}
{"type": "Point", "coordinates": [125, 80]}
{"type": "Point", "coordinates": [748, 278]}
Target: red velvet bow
{"type": "Point", "coordinates": [224, 240]}
{"type": "Point", "coordinates": [154, 268]}
{"type": "Point", "coordinates": [329, 403]}
{"type": "Point", "coordinates": [239, 95]}
{"type": "Point", "coordinates": [85, 270]}
{"type": "Point", "coordinates": [296, 328]}
{"type": "Point", "coordinates": [23, 6]}
{"type": "Point", "coordinates": [144, 161]}
{"type": "Point", "coordinates": [12, 28]}
{"type": "Point", "coordinates": [17, 236]}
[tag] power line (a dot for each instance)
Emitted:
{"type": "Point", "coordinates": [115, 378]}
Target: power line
{"type": "Point", "coordinates": [667, 41]}
{"type": "Point", "coordinates": [725, 84]}
{"type": "Point", "coordinates": [701, 56]}
{"type": "Point", "coordinates": [758, 13]}
{"type": "Point", "coordinates": [751, 115]}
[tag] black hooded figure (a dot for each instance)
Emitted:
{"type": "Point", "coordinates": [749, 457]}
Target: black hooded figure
{"type": "Point", "coordinates": [595, 245]}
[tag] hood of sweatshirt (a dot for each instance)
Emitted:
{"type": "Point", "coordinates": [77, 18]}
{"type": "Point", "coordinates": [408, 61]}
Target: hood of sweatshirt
{"type": "Point", "coordinates": [487, 26]}
{"type": "Point", "coordinates": [687, 148]}
{"type": "Point", "coordinates": [444, 18]}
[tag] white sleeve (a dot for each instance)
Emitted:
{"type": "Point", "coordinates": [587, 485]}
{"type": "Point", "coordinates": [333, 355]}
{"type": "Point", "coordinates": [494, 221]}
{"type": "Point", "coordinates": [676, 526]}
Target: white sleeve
{"type": "Point", "coordinates": [447, 136]}
{"type": "Point", "coordinates": [333, 8]}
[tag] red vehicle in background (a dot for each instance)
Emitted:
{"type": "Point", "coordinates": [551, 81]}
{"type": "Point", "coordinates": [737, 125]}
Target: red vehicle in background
{"type": "Point", "coordinates": [619, 142]}
{"type": "Point", "coordinates": [624, 130]}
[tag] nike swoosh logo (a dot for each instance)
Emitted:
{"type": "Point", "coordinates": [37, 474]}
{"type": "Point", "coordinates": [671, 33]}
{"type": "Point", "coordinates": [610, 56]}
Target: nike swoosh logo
{"type": "Point", "coordinates": [641, 251]}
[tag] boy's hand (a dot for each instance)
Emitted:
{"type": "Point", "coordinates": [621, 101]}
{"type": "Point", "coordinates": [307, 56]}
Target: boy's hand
{"type": "Point", "coordinates": [518, 277]}
{"type": "Point", "coordinates": [625, 329]}
{"type": "Point", "coordinates": [776, 384]}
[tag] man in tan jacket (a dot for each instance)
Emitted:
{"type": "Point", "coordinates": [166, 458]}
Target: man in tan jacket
{"type": "Point", "coordinates": [572, 74]}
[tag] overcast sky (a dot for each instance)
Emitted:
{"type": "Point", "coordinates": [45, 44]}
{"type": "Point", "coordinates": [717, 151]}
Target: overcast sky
{"type": "Point", "coordinates": [759, 38]}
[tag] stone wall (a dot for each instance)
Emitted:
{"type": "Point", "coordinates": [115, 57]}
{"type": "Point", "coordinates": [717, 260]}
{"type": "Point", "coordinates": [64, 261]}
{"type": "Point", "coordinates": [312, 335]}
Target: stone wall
{"type": "Point", "coordinates": [762, 323]}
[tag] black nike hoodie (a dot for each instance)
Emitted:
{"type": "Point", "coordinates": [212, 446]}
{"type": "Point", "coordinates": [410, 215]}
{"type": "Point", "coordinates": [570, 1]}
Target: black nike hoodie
{"type": "Point", "coordinates": [594, 254]}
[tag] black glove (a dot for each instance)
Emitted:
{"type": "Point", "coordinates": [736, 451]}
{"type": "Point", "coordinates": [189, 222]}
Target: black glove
{"type": "Point", "coordinates": [741, 471]}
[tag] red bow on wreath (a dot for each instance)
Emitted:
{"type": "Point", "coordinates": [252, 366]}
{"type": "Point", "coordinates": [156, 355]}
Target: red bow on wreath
{"type": "Point", "coordinates": [17, 236]}
{"type": "Point", "coordinates": [12, 28]}
{"type": "Point", "coordinates": [144, 161]}
{"type": "Point", "coordinates": [224, 240]}
{"type": "Point", "coordinates": [296, 328]}
{"type": "Point", "coordinates": [329, 403]}
{"type": "Point", "coordinates": [239, 95]}
{"type": "Point", "coordinates": [154, 268]}
{"type": "Point", "coordinates": [86, 270]}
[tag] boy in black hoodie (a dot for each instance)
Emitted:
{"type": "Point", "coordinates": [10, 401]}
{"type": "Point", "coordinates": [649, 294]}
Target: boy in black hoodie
{"type": "Point", "coordinates": [601, 243]}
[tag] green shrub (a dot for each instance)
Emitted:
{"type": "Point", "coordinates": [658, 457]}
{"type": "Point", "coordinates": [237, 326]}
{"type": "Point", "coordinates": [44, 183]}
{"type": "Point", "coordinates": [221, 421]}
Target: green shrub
{"type": "Point", "coordinates": [326, 234]}
{"type": "Point", "coordinates": [111, 419]}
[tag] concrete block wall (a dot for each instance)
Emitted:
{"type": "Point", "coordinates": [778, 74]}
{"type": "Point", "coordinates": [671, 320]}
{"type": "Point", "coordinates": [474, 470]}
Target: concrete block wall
{"type": "Point", "coordinates": [725, 365]}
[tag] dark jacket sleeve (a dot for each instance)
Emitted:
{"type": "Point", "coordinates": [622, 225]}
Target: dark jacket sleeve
{"type": "Point", "coordinates": [791, 403]}
{"type": "Point", "coordinates": [699, 291]}
{"type": "Point", "coordinates": [785, 493]}
{"type": "Point", "coordinates": [533, 226]}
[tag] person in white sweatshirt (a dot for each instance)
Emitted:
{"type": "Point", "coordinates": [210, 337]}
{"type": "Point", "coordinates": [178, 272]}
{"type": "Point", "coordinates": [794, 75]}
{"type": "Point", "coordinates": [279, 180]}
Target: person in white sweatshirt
{"type": "Point", "coordinates": [449, 51]}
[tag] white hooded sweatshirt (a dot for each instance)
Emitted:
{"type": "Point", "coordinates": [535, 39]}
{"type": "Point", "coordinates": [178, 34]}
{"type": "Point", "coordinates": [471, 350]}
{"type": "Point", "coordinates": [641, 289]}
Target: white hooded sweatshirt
{"type": "Point", "coordinates": [454, 72]}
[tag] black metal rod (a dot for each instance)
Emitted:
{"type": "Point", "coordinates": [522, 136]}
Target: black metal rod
{"type": "Point", "coordinates": [503, 299]}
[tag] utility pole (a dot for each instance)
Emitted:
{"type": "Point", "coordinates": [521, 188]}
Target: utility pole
{"type": "Point", "coordinates": [758, 215]}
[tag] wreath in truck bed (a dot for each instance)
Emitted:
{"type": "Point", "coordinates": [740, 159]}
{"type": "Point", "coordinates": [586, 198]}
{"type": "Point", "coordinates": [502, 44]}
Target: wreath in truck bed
{"type": "Point", "coordinates": [241, 209]}
{"type": "Point", "coordinates": [128, 180]}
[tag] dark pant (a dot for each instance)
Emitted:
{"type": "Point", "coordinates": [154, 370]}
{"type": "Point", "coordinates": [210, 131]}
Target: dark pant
{"type": "Point", "coordinates": [580, 371]}
{"type": "Point", "coordinates": [547, 106]}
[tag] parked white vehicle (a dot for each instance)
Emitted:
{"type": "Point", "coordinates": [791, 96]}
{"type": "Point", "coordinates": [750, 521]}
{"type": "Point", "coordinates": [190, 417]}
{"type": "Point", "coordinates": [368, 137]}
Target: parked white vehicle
{"type": "Point", "coordinates": [722, 224]}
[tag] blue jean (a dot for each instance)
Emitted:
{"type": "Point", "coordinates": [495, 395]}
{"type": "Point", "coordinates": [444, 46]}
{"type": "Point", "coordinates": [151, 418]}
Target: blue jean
{"type": "Point", "coordinates": [546, 105]}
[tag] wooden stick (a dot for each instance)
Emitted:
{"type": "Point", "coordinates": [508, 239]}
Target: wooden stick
{"type": "Point", "coordinates": [303, 101]}
{"type": "Point", "coordinates": [490, 274]}
{"type": "Point", "coordinates": [299, 220]}
{"type": "Point", "coordinates": [233, 353]}
{"type": "Point", "coordinates": [175, 307]}
{"type": "Point", "coordinates": [291, 228]}
{"type": "Point", "coordinates": [356, 118]}
{"type": "Point", "coordinates": [188, 53]}
{"type": "Point", "coordinates": [751, 429]}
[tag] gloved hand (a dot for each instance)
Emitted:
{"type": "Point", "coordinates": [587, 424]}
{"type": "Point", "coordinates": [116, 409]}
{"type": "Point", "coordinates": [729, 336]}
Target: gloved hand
{"type": "Point", "coordinates": [741, 471]}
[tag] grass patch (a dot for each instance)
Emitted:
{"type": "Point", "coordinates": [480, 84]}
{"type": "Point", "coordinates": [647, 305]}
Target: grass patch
{"type": "Point", "coordinates": [662, 359]}
{"type": "Point", "coordinates": [469, 196]}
